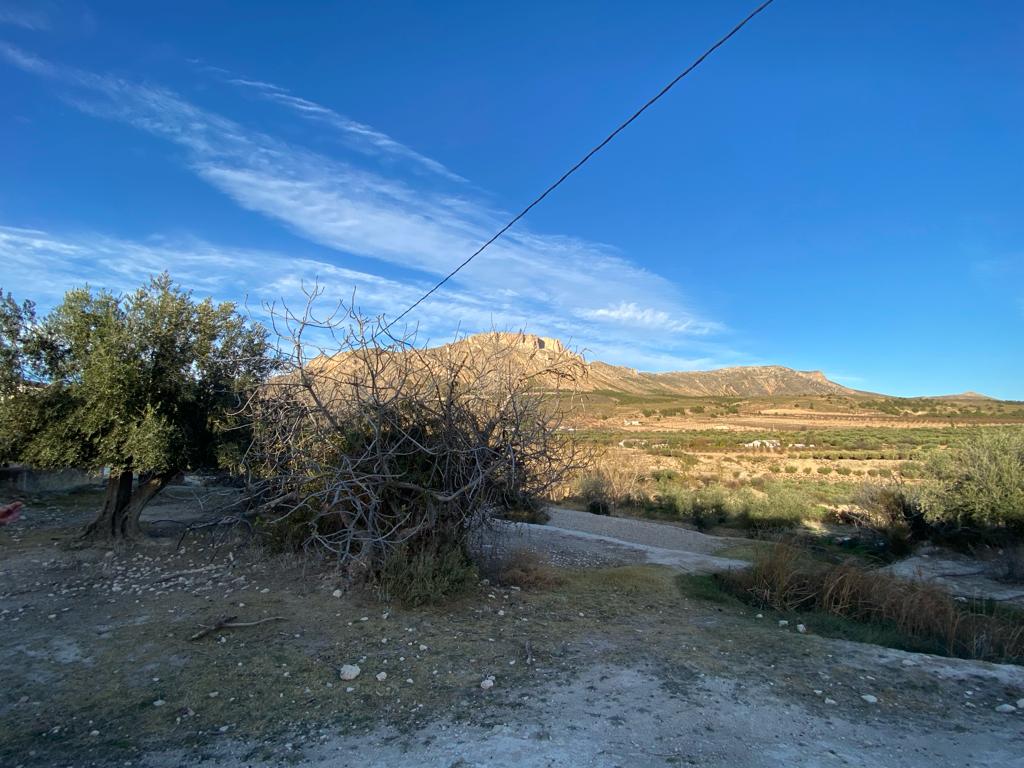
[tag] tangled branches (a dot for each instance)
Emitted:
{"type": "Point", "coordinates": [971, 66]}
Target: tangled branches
{"type": "Point", "coordinates": [383, 446]}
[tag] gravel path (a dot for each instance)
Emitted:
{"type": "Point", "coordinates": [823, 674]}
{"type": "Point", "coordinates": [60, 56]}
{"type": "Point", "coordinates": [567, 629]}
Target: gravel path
{"type": "Point", "coordinates": [581, 539]}
{"type": "Point", "coordinates": [632, 530]}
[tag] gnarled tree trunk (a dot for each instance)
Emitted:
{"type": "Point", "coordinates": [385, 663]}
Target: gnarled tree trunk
{"type": "Point", "coordinates": [119, 518]}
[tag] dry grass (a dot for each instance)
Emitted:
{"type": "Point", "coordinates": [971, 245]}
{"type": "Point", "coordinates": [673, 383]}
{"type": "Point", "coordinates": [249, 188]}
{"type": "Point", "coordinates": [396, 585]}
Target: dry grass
{"type": "Point", "coordinates": [524, 569]}
{"type": "Point", "coordinates": [787, 579]}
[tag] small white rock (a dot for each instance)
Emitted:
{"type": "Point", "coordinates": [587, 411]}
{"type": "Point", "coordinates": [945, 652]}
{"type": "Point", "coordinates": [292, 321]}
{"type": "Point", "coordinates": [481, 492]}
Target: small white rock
{"type": "Point", "coordinates": [159, 703]}
{"type": "Point", "coordinates": [830, 701]}
{"type": "Point", "coordinates": [1006, 709]}
{"type": "Point", "coordinates": [423, 647]}
{"type": "Point", "coordinates": [487, 683]}
{"type": "Point", "coordinates": [382, 676]}
{"type": "Point", "coordinates": [783, 623]}
{"type": "Point", "coordinates": [908, 663]}
{"type": "Point", "coordinates": [94, 733]}
{"type": "Point", "coordinates": [801, 628]}
{"type": "Point", "coordinates": [1020, 703]}
{"type": "Point", "coordinates": [869, 698]}
{"type": "Point", "coordinates": [336, 593]}
{"type": "Point", "coordinates": [350, 672]}
{"type": "Point", "coordinates": [759, 616]}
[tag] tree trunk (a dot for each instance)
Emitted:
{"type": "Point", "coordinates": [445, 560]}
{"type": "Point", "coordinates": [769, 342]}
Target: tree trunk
{"type": "Point", "coordinates": [119, 518]}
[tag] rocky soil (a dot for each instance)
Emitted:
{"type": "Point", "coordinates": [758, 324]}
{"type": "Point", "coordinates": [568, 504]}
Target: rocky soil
{"type": "Point", "coordinates": [611, 666]}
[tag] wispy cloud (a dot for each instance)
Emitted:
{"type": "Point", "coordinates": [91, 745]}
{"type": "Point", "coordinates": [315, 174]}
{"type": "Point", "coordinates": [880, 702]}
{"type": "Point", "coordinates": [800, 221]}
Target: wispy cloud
{"type": "Point", "coordinates": [16, 15]}
{"type": "Point", "coordinates": [550, 283]}
{"type": "Point", "coordinates": [356, 134]}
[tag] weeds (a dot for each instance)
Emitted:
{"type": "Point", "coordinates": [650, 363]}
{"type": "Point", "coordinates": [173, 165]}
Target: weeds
{"type": "Point", "coordinates": [425, 576]}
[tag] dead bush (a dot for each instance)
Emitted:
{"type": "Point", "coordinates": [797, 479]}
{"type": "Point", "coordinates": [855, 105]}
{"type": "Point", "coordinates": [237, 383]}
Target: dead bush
{"type": "Point", "coordinates": [383, 450]}
{"type": "Point", "coordinates": [612, 480]}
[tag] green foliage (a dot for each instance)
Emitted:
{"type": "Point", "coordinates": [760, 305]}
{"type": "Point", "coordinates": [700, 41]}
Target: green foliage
{"type": "Point", "coordinates": [147, 381]}
{"type": "Point", "coordinates": [425, 575]}
{"type": "Point", "coordinates": [979, 483]}
{"type": "Point", "coordinates": [16, 323]}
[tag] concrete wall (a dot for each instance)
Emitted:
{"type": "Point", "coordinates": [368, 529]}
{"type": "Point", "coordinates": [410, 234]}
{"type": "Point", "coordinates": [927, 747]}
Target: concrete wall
{"type": "Point", "coordinates": [20, 479]}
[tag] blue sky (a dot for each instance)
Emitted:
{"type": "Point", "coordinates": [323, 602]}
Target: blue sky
{"type": "Point", "coordinates": [838, 188]}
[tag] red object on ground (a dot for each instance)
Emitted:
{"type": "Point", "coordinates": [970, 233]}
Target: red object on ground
{"type": "Point", "coordinates": [9, 512]}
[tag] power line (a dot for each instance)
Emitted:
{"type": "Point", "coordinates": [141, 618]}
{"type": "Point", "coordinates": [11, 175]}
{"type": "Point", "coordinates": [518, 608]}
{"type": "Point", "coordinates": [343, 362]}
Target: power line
{"type": "Point", "coordinates": [697, 62]}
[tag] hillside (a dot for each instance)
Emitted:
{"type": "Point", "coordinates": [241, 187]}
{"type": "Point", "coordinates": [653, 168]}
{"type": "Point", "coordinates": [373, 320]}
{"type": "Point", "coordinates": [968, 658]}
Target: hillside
{"type": "Point", "coordinates": [742, 381]}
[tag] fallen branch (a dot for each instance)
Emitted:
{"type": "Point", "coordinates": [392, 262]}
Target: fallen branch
{"type": "Point", "coordinates": [192, 572]}
{"type": "Point", "coordinates": [228, 622]}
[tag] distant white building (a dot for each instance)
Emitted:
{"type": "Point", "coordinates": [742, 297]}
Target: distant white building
{"type": "Point", "coordinates": [771, 445]}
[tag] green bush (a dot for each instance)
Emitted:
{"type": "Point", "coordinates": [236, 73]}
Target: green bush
{"type": "Point", "coordinates": [781, 507]}
{"type": "Point", "coordinates": [979, 482]}
{"type": "Point", "coordinates": [426, 575]}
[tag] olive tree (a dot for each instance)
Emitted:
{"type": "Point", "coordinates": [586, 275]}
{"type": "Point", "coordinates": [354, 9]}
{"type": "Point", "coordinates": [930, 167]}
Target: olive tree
{"type": "Point", "coordinates": [144, 385]}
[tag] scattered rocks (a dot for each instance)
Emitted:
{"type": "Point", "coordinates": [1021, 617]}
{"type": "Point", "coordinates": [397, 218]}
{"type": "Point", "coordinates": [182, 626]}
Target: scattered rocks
{"type": "Point", "coordinates": [869, 698]}
{"type": "Point", "coordinates": [830, 702]}
{"type": "Point", "coordinates": [1006, 709]}
{"type": "Point", "coordinates": [802, 629]}
{"type": "Point", "coordinates": [382, 676]}
{"type": "Point", "coordinates": [350, 672]}
{"type": "Point", "coordinates": [336, 593]}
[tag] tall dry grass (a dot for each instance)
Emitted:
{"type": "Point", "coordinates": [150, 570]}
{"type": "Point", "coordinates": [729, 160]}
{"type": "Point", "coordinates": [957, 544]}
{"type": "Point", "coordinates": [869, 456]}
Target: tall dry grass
{"type": "Point", "coordinates": [788, 579]}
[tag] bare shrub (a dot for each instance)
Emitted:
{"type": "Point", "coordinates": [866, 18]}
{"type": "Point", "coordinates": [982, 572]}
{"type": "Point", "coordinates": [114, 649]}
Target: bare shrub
{"type": "Point", "coordinates": [892, 512]}
{"type": "Point", "coordinates": [383, 450]}
{"type": "Point", "coordinates": [611, 480]}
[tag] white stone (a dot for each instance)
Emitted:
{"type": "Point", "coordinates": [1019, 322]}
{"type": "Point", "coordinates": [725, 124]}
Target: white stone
{"type": "Point", "coordinates": [830, 701]}
{"type": "Point", "coordinates": [869, 698]}
{"type": "Point", "coordinates": [908, 663]}
{"type": "Point", "coordinates": [759, 616]}
{"type": "Point", "coordinates": [382, 676]}
{"type": "Point", "coordinates": [801, 628]}
{"type": "Point", "coordinates": [159, 703]}
{"type": "Point", "coordinates": [350, 672]}
{"type": "Point", "coordinates": [1020, 703]}
{"type": "Point", "coordinates": [487, 683]}
{"type": "Point", "coordinates": [783, 623]}
{"type": "Point", "coordinates": [1006, 708]}
{"type": "Point", "coordinates": [336, 593]}
{"type": "Point", "coordinates": [423, 647]}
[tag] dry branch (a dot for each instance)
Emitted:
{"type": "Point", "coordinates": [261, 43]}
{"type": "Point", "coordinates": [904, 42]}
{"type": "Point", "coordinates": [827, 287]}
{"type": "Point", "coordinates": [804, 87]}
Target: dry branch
{"type": "Point", "coordinates": [366, 443]}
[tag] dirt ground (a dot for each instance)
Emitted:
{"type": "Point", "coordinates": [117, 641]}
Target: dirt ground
{"type": "Point", "coordinates": [611, 666]}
